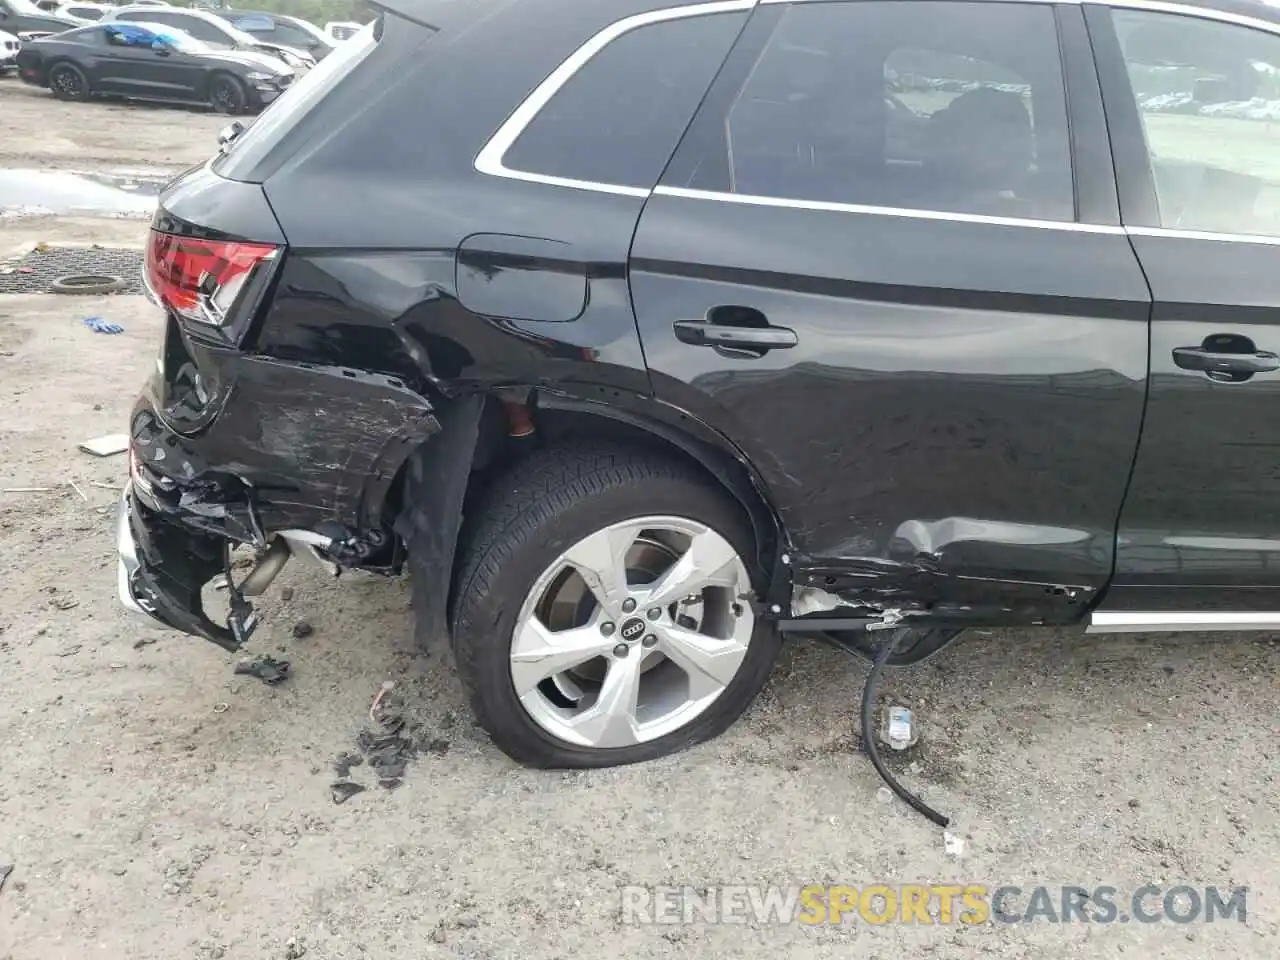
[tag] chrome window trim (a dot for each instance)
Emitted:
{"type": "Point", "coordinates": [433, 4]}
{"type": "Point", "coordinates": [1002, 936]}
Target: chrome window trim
{"type": "Point", "coordinates": [490, 158]}
{"type": "Point", "coordinates": [878, 211]}
{"type": "Point", "coordinates": [1174, 233]}
{"type": "Point", "coordinates": [1200, 13]}
{"type": "Point", "coordinates": [765, 3]}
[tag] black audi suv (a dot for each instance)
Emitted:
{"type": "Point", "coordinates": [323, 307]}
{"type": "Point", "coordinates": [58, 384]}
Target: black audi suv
{"type": "Point", "coordinates": [643, 334]}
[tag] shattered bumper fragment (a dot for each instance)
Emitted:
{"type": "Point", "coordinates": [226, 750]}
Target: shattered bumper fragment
{"type": "Point", "coordinates": [161, 569]}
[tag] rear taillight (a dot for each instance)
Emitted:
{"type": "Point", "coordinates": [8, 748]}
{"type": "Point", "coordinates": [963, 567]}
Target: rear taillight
{"type": "Point", "coordinates": [204, 281]}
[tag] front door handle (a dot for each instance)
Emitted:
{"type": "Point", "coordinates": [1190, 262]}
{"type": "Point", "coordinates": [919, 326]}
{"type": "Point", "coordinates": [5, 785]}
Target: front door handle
{"type": "Point", "coordinates": [1226, 357]}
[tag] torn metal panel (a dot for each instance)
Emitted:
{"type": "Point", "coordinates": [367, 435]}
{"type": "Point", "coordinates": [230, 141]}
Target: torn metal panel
{"type": "Point", "coordinates": [957, 568]}
{"type": "Point", "coordinates": [330, 448]}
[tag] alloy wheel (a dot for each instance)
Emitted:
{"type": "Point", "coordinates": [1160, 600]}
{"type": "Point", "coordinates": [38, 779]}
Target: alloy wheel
{"type": "Point", "coordinates": [67, 82]}
{"type": "Point", "coordinates": [632, 632]}
{"type": "Point", "coordinates": [224, 97]}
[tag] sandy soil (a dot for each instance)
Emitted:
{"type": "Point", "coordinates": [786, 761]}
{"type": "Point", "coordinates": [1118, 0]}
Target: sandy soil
{"type": "Point", "coordinates": [156, 806]}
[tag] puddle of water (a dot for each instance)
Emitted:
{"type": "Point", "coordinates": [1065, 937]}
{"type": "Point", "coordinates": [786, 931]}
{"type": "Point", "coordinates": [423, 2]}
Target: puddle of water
{"type": "Point", "coordinates": [121, 193]}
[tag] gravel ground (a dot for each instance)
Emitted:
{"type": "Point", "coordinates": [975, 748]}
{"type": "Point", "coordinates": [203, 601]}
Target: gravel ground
{"type": "Point", "coordinates": [155, 805]}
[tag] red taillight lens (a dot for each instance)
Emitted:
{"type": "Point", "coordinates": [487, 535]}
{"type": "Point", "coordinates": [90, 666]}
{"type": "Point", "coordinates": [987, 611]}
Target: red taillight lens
{"type": "Point", "coordinates": [200, 279]}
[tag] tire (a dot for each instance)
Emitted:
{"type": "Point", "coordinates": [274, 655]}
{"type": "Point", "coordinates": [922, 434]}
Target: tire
{"type": "Point", "coordinates": [227, 94]}
{"type": "Point", "coordinates": [87, 283]}
{"type": "Point", "coordinates": [528, 519]}
{"type": "Point", "coordinates": [68, 82]}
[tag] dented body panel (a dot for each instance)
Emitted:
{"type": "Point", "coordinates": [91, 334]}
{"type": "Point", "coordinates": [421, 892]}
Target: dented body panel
{"type": "Point", "coordinates": [306, 443]}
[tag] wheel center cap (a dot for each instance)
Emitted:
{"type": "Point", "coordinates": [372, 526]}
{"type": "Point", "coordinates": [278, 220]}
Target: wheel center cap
{"type": "Point", "coordinates": [632, 630]}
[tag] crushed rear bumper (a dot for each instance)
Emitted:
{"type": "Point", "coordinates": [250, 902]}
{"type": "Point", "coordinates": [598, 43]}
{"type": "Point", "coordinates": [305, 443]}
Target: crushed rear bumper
{"type": "Point", "coordinates": [162, 568]}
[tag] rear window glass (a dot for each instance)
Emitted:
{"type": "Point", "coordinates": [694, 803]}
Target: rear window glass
{"type": "Point", "coordinates": [254, 24]}
{"type": "Point", "coordinates": [617, 119]}
{"type": "Point", "coordinates": [266, 132]}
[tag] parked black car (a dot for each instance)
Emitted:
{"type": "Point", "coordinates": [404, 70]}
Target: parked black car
{"type": "Point", "coordinates": [144, 61]}
{"type": "Point", "coordinates": [649, 334]}
{"type": "Point", "coordinates": [277, 28]}
{"type": "Point", "coordinates": [212, 31]}
{"type": "Point", "coordinates": [25, 20]}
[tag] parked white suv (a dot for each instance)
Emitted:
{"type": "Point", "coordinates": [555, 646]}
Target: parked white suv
{"type": "Point", "coordinates": [9, 47]}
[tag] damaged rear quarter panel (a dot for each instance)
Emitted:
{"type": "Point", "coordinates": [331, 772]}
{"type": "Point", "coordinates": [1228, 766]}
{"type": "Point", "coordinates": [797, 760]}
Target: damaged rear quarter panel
{"type": "Point", "coordinates": [315, 442]}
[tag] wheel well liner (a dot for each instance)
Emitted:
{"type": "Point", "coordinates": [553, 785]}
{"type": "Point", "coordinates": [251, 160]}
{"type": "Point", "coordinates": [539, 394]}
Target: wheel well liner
{"type": "Point", "coordinates": [447, 471]}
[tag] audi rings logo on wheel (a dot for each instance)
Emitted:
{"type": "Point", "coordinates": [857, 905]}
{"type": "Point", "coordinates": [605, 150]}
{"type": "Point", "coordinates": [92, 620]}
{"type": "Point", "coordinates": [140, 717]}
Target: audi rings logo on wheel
{"type": "Point", "coordinates": [632, 629]}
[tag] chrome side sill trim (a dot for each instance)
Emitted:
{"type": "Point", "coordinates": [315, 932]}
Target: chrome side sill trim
{"type": "Point", "coordinates": [1126, 621]}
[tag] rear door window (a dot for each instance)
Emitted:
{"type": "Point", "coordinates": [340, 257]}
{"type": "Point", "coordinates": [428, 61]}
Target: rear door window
{"type": "Point", "coordinates": [616, 119]}
{"type": "Point", "coordinates": [275, 31]}
{"type": "Point", "coordinates": [159, 16]}
{"type": "Point", "coordinates": [939, 106]}
{"type": "Point", "coordinates": [203, 30]}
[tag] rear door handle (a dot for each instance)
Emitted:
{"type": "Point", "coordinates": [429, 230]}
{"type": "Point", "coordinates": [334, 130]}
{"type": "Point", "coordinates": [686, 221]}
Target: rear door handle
{"type": "Point", "coordinates": [750, 340]}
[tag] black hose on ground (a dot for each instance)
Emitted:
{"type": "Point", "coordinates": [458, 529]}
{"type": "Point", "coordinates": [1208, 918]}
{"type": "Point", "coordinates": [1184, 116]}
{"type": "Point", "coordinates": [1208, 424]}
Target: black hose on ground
{"type": "Point", "coordinates": [869, 736]}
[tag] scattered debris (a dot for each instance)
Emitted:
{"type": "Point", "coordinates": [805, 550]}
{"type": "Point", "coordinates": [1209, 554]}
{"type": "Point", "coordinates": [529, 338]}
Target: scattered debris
{"type": "Point", "coordinates": [65, 603]}
{"type": "Point", "coordinates": [302, 629]}
{"type": "Point", "coordinates": [884, 795]}
{"type": "Point", "coordinates": [77, 489]}
{"type": "Point", "coordinates": [388, 754]}
{"type": "Point", "coordinates": [386, 748]}
{"type": "Point", "coordinates": [5, 870]}
{"type": "Point", "coordinates": [70, 650]}
{"type": "Point", "coordinates": [286, 593]}
{"type": "Point", "coordinates": [344, 790]}
{"type": "Point", "coordinates": [28, 489]}
{"type": "Point", "coordinates": [112, 443]}
{"type": "Point", "coordinates": [345, 761]}
{"type": "Point", "coordinates": [899, 731]}
{"type": "Point", "coordinates": [294, 949]}
{"type": "Point", "coordinates": [146, 640]}
{"type": "Point", "coordinates": [99, 325]}
{"type": "Point", "coordinates": [221, 707]}
{"type": "Point", "coordinates": [105, 486]}
{"type": "Point", "coordinates": [952, 843]}
{"type": "Point", "coordinates": [267, 669]}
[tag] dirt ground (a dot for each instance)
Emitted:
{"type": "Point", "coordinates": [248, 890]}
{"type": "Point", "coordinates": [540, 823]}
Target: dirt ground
{"type": "Point", "coordinates": [155, 806]}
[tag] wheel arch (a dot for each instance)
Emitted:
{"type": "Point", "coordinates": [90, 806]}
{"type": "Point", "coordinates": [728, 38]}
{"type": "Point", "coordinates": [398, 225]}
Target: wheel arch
{"type": "Point", "coordinates": [430, 496]}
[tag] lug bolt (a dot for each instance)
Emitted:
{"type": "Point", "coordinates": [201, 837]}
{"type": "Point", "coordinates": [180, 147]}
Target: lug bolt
{"type": "Point", "coordinates": [628, 605]}
{"type": "Point", "coordinates": [607, 629]}
{"type": "Point", "coordinates": [620, 650]}
{"type": "Point", "coordinates": [655, 613]}
{"type": "Point", "coordinates": [737, 609]}
{"type": "Point", "coordinates": [649, 640]}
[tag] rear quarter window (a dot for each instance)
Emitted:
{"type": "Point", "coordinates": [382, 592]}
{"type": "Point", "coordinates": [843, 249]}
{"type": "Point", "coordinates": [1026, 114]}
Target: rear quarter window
{"type": "Point", "coordinates": [274, 124]}
{"type": "Point", "coordinates": [617, 118]}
